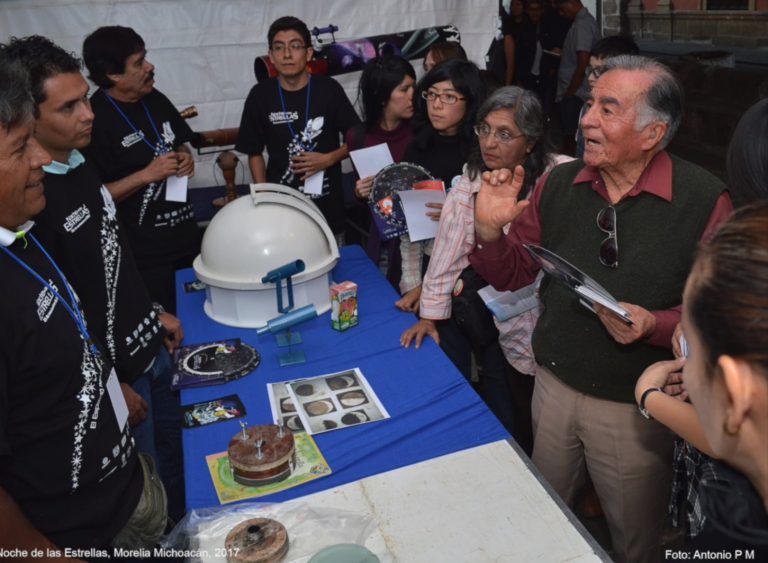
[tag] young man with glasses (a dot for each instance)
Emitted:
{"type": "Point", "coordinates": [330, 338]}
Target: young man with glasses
{"type": "Point", "coordinates": [299, 119]}
{"type": "Point", "coordinates": [629, 215]}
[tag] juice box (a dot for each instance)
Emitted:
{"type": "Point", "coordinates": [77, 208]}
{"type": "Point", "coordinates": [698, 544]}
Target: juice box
{"type": "Point", "coordinates": [344, 305]}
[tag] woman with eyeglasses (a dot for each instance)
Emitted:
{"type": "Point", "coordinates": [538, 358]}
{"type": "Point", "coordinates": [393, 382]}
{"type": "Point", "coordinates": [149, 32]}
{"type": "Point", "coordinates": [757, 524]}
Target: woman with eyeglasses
{"type": "Point", "coordinates": [386, 92]}
{"type": "Point", "coordinates": [725, 320]}
{"type": "Point", "coordinates": [510, 132]}
{"type": "Point", "coordinates": [447, 99]}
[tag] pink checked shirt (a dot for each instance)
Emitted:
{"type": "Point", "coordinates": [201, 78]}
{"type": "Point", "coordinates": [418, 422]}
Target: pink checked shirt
{"type": "Point", "coordinates": [450, 255]}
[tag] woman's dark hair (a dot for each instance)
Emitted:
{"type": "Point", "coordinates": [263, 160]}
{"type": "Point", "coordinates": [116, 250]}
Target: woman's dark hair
{"type": "Point", "coordinates": [380, 77]}
{"type": "Point", "coordinates": [446, 50]}
{"type": "Point", "coordinates": [465, 77]}
{"type": "Point", "coordinates": [106, 50]}
{"type": "Point", "coordinates": [747, 161]}
{"type": "Point", "coordinates": [289, 23]}
{"type": "Point", "coordinates": [526, 110]}
{"type": "Point", "coordinates": [728, 296]}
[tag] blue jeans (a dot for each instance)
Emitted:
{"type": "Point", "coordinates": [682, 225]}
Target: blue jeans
{"type": "Point", "coordinates": [159, 435]}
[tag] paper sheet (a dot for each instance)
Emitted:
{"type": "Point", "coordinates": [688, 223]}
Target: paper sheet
{"type": "Point", "coordinates": [420, 227]}
{"type": "Point", "coordinates": [329, 402]}
{"type": "Point", "coordinates": [314, 184]}
{"type": "Point", "coordinates": [370, 160]}
{"type": "Point", "coordinates": [176, 188]}
{"type": "Point", "coordinates": [507, 304]}
{"type": "Point", "coordinates": [118, 400]}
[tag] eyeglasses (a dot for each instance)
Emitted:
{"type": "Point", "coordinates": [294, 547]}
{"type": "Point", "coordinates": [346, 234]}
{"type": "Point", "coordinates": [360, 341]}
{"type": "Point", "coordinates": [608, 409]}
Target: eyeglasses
{"type": "Point", "coordinates": [609, 248]}
{"type": "Point", "coordinates": [445, 97]}
{"type": "Point", "coordinates": [593, 71]}
{"type": "Point", "coordinates": [280, 48]}
{"type": "Point", "coordinates": [501, 135]}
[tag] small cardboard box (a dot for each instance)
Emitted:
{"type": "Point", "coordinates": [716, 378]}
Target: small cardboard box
{"type": "Point", "coordinates": [344, 305]}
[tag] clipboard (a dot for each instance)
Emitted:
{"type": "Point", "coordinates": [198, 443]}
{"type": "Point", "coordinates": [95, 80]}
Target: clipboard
{"type": "Point", "coordinates": [587, 289]}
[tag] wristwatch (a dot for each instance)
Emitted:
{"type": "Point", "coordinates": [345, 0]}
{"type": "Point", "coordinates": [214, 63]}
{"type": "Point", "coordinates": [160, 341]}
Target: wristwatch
{"type": "Point", "coordinates": [643, 397]}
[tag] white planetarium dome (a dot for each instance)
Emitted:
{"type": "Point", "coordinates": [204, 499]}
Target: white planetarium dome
{"type": "Point", "coordinates": [253, 235]}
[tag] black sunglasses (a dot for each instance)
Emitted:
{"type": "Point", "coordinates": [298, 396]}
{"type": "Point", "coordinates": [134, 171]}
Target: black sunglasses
{"type": "Point", "coordinates": [609, 248]}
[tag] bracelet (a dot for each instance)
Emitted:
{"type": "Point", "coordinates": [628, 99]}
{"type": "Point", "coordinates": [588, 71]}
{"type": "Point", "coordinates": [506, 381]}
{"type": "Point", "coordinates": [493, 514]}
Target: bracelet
{"type": "Point", "coordinates": [643, 397]}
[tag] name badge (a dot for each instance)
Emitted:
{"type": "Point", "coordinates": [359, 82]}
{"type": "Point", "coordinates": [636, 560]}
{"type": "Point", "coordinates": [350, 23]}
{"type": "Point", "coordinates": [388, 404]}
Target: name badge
{"type": "Point", "coordinates": [117, 400]}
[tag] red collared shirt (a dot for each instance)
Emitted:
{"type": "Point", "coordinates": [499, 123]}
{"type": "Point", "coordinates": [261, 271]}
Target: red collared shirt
{"type": "Point", "coordinates": [506, 265]}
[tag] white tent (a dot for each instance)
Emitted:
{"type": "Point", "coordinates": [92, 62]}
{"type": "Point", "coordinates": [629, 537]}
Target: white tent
{"type": "Point", "coordinates": [204, 49]}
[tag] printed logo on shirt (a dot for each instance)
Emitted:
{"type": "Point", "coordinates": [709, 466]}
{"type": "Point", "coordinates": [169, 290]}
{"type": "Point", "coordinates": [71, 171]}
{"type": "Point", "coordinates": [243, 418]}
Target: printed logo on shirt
{"type": "Point", "coordinates": [278, 117]}
{"type": "Point", "coordinates": [143, 334]}
{"type": "Point", "coordinates": [175, 217]}
{"type": "Point", "coordinates": [168, 135]}
{"type": "Point", "coordinates": [304, 142]}
{"type": "Point", "coordinates": [77, 219]}
{"type": "Point", "coordinates": [132, 139]}
{"type": "Point", "coordinates": [46, 302]}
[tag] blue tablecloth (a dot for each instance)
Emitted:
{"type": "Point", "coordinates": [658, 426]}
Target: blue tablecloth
{"type": "Point", "coordinates": [433, 410]}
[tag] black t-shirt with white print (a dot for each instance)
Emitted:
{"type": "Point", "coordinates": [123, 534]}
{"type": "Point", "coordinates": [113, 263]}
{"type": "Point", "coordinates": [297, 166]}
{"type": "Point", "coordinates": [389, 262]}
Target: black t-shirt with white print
{"type": "Point", "coordinates": [286, 131]}
{"type": "Point", "coordinates": [79, 228]}
{"type": "Point", "coordinates": [159, 231]}
{"type": "Point", "coordinates": [63, 458]}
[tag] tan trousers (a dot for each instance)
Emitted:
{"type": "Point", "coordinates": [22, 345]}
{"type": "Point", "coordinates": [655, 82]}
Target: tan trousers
{"type": "Point", "coordinates": [628, 458]}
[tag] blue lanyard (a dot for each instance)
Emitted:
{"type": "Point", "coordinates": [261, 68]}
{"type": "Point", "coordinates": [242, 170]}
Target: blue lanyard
{"type": "Point", "coordinates": [306, 109]}
{"type": "Point", "coordinates": [162, 147]}
{"type": "Point", "coordinates": [73, 309]}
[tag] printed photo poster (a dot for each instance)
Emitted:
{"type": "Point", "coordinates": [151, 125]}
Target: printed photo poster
{"type": "Point", "coordinates": [283, 409]}
{"type": "Point", "coordinates": [334, 401]}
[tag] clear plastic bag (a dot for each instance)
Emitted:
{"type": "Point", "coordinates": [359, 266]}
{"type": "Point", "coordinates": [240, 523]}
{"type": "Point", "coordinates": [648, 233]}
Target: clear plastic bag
{"type": "Point", "coordinates": [201, 534]}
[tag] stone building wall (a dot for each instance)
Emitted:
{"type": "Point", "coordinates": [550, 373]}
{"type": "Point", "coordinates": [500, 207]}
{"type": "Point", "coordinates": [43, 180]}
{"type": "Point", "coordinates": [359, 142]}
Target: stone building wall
{"type": "Point", "coordinates": [684, 20]}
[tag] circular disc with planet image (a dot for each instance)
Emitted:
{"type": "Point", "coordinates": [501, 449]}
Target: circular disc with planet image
{"type": "Point", "coordinates": [294, 423]}
{"type": "Point", "coordinates": [286, 405]}
{"type": "Point", "coordinates": [305, 390]}
{"type": "Point", "coordinates": [342, 382]}
{"type": "Point", "coordinates": [317, 408]}
{"type": "Point", "coordinates": [354, 417]}
{"type": "Point", "coordinates": [352, 398]}
{"type": "Point", "coordinates": [220, 360]}
{"type": "Point", "coordinates": [390, 180]}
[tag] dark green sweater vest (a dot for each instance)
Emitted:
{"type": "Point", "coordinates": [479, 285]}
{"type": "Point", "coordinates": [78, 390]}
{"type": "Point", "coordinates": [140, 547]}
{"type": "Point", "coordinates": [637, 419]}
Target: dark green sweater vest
{"type": "Point", "coordinates": [657, 241]}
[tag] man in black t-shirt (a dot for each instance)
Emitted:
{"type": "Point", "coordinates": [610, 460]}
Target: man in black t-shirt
{"type": "Point", "coordinates": [299, 119]}
{"type": "Point", "coordinates": [69, 474]}
{"type": "Point", "coordinates": [138, 142]}
{"type": "Point", "coordinates": [79, 228]}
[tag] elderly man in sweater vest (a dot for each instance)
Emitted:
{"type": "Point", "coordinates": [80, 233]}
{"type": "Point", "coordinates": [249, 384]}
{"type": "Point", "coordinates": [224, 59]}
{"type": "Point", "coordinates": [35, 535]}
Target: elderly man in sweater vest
{"type": "Point", "coordinates": [630, 215]}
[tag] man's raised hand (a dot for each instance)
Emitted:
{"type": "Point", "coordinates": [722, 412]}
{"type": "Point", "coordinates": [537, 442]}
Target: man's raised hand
{"type": "Point", "coordinates": [497, 203]}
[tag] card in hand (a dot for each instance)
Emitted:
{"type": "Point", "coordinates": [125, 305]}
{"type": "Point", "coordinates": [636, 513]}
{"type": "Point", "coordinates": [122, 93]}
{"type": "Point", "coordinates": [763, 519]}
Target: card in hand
{"type": "Point", "coordinates": [209, 412]}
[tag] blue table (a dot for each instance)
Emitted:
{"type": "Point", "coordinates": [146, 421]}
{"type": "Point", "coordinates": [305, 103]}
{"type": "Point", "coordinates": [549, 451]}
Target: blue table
{"type": "Point", "coordinates": [433, 410]}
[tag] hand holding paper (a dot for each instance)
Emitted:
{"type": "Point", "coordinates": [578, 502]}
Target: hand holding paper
{"type": "Point", "coordinates": [420, 225]}
{"type": "Point", "coordinates": [371, 160]}
{"type": "Point", "coordinates": [643, 323]}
